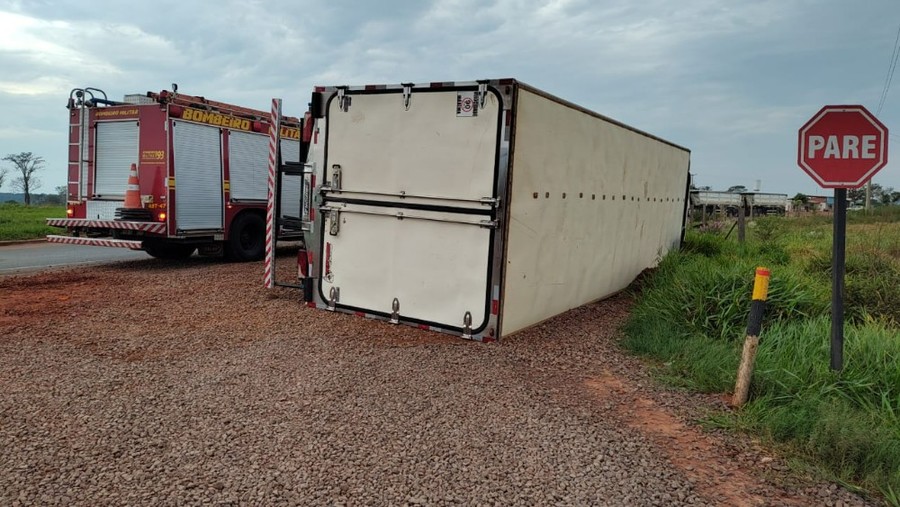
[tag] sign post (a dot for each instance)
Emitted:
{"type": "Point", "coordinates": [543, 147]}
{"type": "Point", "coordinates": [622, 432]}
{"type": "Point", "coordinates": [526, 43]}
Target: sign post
{"type": "Point", "coordinates": [838, 250]}
{"type": "Point", "coordinates": [841, 147]}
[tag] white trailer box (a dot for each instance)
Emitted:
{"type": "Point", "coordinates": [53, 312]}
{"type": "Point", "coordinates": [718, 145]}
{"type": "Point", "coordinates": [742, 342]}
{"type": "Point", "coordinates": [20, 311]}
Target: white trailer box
{"type": "Point", "coordinates": [713, 198]}
{"type": "Point", "coordinates": [480, 208]}
{"type": "Point", "coordinates": [766, 200]}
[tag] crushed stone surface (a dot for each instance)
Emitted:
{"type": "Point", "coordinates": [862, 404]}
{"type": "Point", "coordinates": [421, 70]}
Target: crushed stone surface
{"type": "Point", "coordinates": [152, 383]}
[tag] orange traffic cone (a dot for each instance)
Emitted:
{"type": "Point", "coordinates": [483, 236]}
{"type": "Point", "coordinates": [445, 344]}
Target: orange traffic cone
{"type": "Point", "coordinates": [133, 190]}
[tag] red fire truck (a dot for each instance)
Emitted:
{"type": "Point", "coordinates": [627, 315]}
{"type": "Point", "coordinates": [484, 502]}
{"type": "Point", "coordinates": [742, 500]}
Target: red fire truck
{"type": "Point", "coordinates": [202, 175]}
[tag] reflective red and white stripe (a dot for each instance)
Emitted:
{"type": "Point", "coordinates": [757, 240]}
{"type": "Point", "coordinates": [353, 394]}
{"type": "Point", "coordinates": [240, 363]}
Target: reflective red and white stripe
{"type": "Point", "coordinates": [274, 129]}
{"type": "Point", "coordinates": [151, 227]}
{"type": "Point", "coordinates": [117, 243]}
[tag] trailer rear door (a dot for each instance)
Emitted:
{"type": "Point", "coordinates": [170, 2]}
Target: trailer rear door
{"type": "Point", "coordinates": [410, 197]}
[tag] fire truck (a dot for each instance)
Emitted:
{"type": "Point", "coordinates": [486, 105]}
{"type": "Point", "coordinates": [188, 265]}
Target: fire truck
{"type": "Point", "coordinates": [201, 175]}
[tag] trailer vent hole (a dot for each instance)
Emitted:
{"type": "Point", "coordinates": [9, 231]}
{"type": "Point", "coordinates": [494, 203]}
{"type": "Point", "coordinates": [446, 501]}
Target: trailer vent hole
{"type": "Point", "coordinates": [535, 195]}
{"type": "Point", "coordinates": [547, 195]}
{"type": "Point", "coordinates": [580, 195]}
{"type": "Point", "coordinates": [564, 195]}
{"type": "Point", "coordinates": [623, 197]}
{"type": "Point", "coordinates": [613, 197]}
{"type": "Point", "coordinates": [593, 196]}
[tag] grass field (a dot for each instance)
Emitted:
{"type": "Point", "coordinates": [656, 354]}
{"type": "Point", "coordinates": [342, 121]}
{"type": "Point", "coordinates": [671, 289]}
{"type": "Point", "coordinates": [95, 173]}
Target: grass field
{"type": "Point", "coordinates": [692, 314]}
{"type": "Point", "coordinates": [19, 222]}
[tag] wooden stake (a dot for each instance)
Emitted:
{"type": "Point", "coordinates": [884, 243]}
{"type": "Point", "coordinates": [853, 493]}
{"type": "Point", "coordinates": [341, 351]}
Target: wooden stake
{"type": "Point", "coordinates": [751, 342]}
{"type": "Point", "coordinates": [745, 372]}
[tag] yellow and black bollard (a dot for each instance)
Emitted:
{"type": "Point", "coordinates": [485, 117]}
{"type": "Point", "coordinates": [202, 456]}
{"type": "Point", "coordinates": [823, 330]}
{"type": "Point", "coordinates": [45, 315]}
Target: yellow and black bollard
{"type": "Point", "coordinates": [751, 342]}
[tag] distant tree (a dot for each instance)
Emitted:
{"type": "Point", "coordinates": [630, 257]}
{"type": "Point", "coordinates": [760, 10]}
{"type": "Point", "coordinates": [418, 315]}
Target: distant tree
{"type": "Point", "coordinates": [895, 197]}
{"type": "Point", "coordinates": [801, 202]}
{"type": "Point", "coordinates": [27, 164]}
{"type": "Point", "coordinates": [3, 173]}
{"type": "Point", "coordinates": [57, 199]}
{"type": "Point", "coordinates": [737, 188]}
{"type": "Point", "coordinates": [886, 196]}
{"type": "Point", "coordinates": [857, 196]}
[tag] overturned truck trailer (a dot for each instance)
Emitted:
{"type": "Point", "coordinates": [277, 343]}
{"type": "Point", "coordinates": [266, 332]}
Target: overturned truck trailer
{"type": "Point", "coordinates": [480, 208]}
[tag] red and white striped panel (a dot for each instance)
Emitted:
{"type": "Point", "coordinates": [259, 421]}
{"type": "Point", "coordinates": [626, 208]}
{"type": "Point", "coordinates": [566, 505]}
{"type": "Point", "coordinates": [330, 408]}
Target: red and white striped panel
{"type": "Point", "coordinates": [274, 130]}
{"type": "Point", "coordinates": [151, 227]}
{"type": "Point", "coordinates": [117, 243]}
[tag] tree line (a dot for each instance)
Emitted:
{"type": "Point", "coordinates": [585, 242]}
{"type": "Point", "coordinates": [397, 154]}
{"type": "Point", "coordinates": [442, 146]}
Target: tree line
{"type": "Point", "coordinates": [857, 196]}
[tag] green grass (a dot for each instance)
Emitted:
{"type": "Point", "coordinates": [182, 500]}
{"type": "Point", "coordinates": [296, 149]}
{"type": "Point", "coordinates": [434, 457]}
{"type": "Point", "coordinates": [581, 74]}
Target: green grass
{"type": "Point", "coordinates": [18, 222]}
{"type": "Point", "coordinates": [691, 315]}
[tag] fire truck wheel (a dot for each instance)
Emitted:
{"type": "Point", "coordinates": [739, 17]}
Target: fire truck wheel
{"type": "Point", "coordinates": [168, 251]}
{"type": "Point", "coordinates": [247, 239]}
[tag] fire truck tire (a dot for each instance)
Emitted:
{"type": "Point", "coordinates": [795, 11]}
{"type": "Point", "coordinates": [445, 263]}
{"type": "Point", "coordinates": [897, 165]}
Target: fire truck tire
{"type": "Point", "coordinates": [168, 251]}
{"type": "Point", "coordinates": [247, 239]}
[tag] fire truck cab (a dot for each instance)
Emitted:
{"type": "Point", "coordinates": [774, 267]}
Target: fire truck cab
{"type": "Point", "coordinates": [202, 175]}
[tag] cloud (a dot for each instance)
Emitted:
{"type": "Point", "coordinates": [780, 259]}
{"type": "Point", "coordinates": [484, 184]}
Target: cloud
{"type": "Point", "coordinates": [731, 80]}
{"type": "Point", "coordinates": [50, 57]}
{"type": "Point", "coordinates": [11, 133]}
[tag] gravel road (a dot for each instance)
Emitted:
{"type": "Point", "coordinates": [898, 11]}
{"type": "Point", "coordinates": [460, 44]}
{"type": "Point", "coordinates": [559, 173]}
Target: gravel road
{"type": "Point", "coordinates": [147, 383]}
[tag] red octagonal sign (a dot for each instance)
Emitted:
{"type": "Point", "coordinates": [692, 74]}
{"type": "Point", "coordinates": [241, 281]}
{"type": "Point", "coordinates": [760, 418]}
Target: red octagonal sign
{"type": "Point", "coordinates": [843, 146]}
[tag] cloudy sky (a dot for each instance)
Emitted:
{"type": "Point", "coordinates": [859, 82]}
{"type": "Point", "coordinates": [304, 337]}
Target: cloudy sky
{"type": "Point", "coordinates": [733, 80]}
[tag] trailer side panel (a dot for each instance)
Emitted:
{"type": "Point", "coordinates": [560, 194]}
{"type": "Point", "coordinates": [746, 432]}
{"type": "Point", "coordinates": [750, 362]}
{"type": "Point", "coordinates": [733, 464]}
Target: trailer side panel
{"type": "Point", "coordinates": [592, 204]}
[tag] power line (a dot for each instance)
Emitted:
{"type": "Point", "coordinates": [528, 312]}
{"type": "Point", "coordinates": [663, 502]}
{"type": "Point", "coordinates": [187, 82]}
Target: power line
{"type": "Point", "coordinates": [892, 66]}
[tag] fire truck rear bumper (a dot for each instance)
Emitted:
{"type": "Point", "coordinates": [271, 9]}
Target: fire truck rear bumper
{"type": "Point", "coordinates": [147, 227]}
{"type": "Point", "coordinates": [118, 243]}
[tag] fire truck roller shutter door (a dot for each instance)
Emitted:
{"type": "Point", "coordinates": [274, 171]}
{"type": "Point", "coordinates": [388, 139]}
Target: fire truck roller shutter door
{"type": "Point", "coordinates": [248, 155]}
{"type": "Point", "coordinates": [117, 149]}
{"type": "Point", "coordinates": [198, 171]}
{"type": "Point", "coordinates": [290, 184]}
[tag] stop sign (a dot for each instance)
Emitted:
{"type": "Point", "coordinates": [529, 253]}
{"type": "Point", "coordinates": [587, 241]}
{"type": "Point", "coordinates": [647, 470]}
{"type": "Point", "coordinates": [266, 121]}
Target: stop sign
{"type": "Point", "coordinates": [843, 146]}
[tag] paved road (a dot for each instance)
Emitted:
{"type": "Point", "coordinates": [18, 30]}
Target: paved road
{"type": "Point", "coordinates": [34, 256]}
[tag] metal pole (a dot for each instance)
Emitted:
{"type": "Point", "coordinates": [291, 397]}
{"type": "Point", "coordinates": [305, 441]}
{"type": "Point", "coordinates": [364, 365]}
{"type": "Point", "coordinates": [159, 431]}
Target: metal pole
{"type": "Point", "coordinates": [837, 286]}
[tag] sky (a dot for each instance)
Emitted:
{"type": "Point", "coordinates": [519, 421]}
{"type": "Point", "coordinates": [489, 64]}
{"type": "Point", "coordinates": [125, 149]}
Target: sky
{"type": "Point", "coordinates": [732, 80]}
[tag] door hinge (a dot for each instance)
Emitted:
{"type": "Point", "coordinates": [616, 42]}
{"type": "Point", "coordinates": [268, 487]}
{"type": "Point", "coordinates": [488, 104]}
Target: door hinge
{"type": "Point", "coordinates": [335, 227]}
{"type": "Point", "coordinates": [467, 326]}
{"type": "Point", "coordinates": [336, 174]}
{"type": "Point", "coordinates": [334, 296]}
{"type": "Point", "coordinates": [343, 98]}
{"type": "Point", "coordinates": [395, 311]}
{"type": "Point", "coordinates": [482, 92]}
{"type": "Point", "coordinates": [407, 94]}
